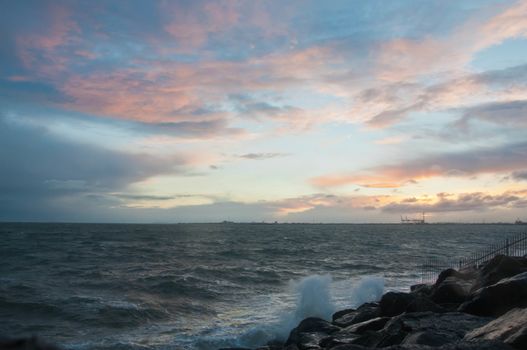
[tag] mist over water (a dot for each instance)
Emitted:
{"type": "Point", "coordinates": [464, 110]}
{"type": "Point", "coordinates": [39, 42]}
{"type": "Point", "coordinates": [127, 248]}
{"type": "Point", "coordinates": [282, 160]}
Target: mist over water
{"type": "Point", "coordinates": [209, 285]}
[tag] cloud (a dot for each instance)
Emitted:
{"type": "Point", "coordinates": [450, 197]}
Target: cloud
{"type": "Point", "coordinates": [520, 175]}
{"type": "Point", "coordinates": [42, 169]}
{"type": "Point", "coordinates": [192, 23]}
{"type": "Point", "coordinates": [146, 197]}
{"type": "Point", "coordinates": [157, 84]}
{"type": "Point", "coordinates": [318, 201]}
{"type": "Point", "coordinates": [261, 156]}
{"type": "Point", "coordinates": [403, 59]}
{"type": "Point", "coordinates": [474, 201]}
{"type": "Point", "coordinates": [108, 129]}
{"type": "Point", "coordinates": [510, 113]}
{"type": "Point", "coordinates": [483, 160]}
{"type": "Point", "coordinates": [504, 85]}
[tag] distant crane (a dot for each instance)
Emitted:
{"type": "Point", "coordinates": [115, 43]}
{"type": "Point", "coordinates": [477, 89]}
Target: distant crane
{"type": "Point", "coordinates": [405, 220]}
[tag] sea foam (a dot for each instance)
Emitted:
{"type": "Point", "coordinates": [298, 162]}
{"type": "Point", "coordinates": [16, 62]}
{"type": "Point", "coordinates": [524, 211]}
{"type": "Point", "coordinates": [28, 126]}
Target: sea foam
{"type": "Point", "coordinates": [314, 298]}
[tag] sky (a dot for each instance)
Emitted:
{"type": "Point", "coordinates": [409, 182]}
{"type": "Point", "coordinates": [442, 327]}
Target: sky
{"type": "Point", "coordinates": [297, 111]}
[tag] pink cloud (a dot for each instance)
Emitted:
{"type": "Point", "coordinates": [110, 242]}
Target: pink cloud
{"type": "Point", "coordinates": [192, 25]}
{"type": "Point", "coordinates": [402, 59]}
{"type": "Point", "coordinates": [60, 31]}
{"type": "Point", "coordinates": [465, 164]}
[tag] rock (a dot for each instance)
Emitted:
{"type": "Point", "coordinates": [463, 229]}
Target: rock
{"type": "Point", "coordinates": [422, 304]}
{"type": "Point", "coordinates": [499, 298]}
{"type": "Point", "coordinates": [374, 324]}
{"type": "Point", "coordinates": [272, 345]}
{"type": "Point", "coordinates": [315, 324]}
{"type": "Point", "coordinates": [448, 273]}
{"type": "Point", "coordinates": [498, 268]}
{"type": "Point", "coordinates": [310, 332]}
{"type": "Point", "coordinates": [451, 326]}
{"type": "Point", "coordinates": [510, 328]}
{"type": "Point", "coordinates": [339, 338]}
{"type": "Point", "coordinates": [450, 290]}
{"type": "Point", "coordinates": [417, 287]}
{"type": "Point", "coordinates": [426, 338]}
{"type": "Point", "coordinates": [351, 333]}
{"type": "Point", "coordinates": [480, 345]}
{"type": "Point", "coordinates": [33, 343]}
{"type": "Point", "coordinates": [421, 289]}
{"type": "Point", "coordinates": [341, 313]}
{"type": "Point", "coordinates": [365, 312]}
{"type": "Point", "coordinates": [395, 303]}
{"type": "Point", "coordinates": [306, 341]}
{"type": "Point", "coordinates": [290, 347]}
{"type": "Point", "coordinates": [349, 347]}
{"type": "Point", "coordinates": [452, 287]}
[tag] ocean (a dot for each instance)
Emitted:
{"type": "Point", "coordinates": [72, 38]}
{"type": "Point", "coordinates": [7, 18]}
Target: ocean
{"type": "Point", "coordinates": [206, 286]}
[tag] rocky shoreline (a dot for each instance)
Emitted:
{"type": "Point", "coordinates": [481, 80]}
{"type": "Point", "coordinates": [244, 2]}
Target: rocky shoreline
{"type": "Point", "coordinates": [479, 308]}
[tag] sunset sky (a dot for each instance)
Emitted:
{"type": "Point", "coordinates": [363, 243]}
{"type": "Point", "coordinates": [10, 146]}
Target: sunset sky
{"type": "Point", "coordinates": [295, 111]}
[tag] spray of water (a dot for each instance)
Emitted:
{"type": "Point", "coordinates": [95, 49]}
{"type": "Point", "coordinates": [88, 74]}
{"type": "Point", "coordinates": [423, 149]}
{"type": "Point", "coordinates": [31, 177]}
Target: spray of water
{"type": "Point", "coordinates": [313, 299]}
{"type": "Point", "coordinates": [368, 289]}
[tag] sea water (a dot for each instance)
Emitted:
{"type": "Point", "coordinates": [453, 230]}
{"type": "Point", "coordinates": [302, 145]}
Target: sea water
{"type": "Point", "coordinates": [206, 286]}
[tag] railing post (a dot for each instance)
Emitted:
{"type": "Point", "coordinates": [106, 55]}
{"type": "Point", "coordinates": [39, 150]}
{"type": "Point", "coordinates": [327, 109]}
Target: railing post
{"type": "Point", "coordinates": [507, 242]}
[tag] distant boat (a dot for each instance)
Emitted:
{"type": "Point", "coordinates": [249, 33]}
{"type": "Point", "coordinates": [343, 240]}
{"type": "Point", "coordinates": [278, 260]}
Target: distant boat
{"type": "Point", "coordinates": [405, 220]}
{"type": "Point", "coordinates": [519, 222]}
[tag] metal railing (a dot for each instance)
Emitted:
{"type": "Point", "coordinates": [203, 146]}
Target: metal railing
{"type": "Point", "coordinates": [513, 246]}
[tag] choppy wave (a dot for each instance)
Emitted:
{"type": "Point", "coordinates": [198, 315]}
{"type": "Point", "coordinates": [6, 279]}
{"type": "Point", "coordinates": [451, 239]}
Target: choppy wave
{"type": "Point", "coordinates": [204, 286]}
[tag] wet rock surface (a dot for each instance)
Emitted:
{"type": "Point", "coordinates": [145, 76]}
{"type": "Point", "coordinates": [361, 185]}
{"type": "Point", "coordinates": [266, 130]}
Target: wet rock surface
{"type": "Point", "coordinates": [473, 309]}
{"type": "Point", "coordinates": [510, 328]}
{"type": "Point", "coordinates": [484, 309]}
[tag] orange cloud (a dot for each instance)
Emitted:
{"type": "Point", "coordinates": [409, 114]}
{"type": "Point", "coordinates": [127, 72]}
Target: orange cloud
{"type": "Point", "coordinates": [505, 158]}
{"type": "Point", "coordinates": [473, 201]}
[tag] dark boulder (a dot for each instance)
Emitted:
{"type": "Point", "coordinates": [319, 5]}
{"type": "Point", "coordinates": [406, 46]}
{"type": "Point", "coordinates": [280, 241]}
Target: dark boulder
{"type": "Point", "coordinates": [33, 343]}
{"type": "Point", "coordinates": [422, 304]}
{"type": "Point", "coordinates": [272, 345]}
{"type": "Point", "coordinates": [349, 347]}
{"type": "Point", "coordinates": [450, 291]}
{"type": "Point", "coordinates": [374, 324]}
{"type": "Point", "coordinates": [451, 326]}
{"type": "Point", "coordinates": [365, 312]}
{"type": "Point", "coordinates": [336, 339]}
{"type": "Point", "coordinates": [350, 334]}
{"type": "Point", "coordinates": [498, 268]}
{"type": "Point", "coordinates": [480, 345]}
{"type": "Point", "coordinates": [511, 328]}
{"type": "Point", "coordinates": [417, 287]}
{"type": "Point", "coordinates": [421, 289]}
{"type": "Point", "coordinates": [395, 303]}
{"type": "Point", "coordinates": [341, 313]}
{"type": "Point", "coordinates": [449, 273]}
{"type": "Point", "coordinates": [310, 332]}
{"type": "Point", "coordinates": [429, 338]}
{"type": "Point", "coordinates": [290, 347]}
{"type": "Point", "coordinates": [499, 298]}
{"type": "Point", "coordinates": [315, 324]}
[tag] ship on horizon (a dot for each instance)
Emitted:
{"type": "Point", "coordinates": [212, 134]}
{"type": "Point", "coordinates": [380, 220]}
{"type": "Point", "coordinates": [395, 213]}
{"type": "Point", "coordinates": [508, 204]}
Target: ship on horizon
{"type": "Point", "coordinates": [421, 221]}
{"type": "Point", "coordinates": [519, 222]}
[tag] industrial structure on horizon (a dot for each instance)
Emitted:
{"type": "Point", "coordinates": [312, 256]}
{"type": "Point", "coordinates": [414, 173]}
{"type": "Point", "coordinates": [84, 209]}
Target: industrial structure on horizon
{"type": "Point", "coordinates": [405, 220]}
